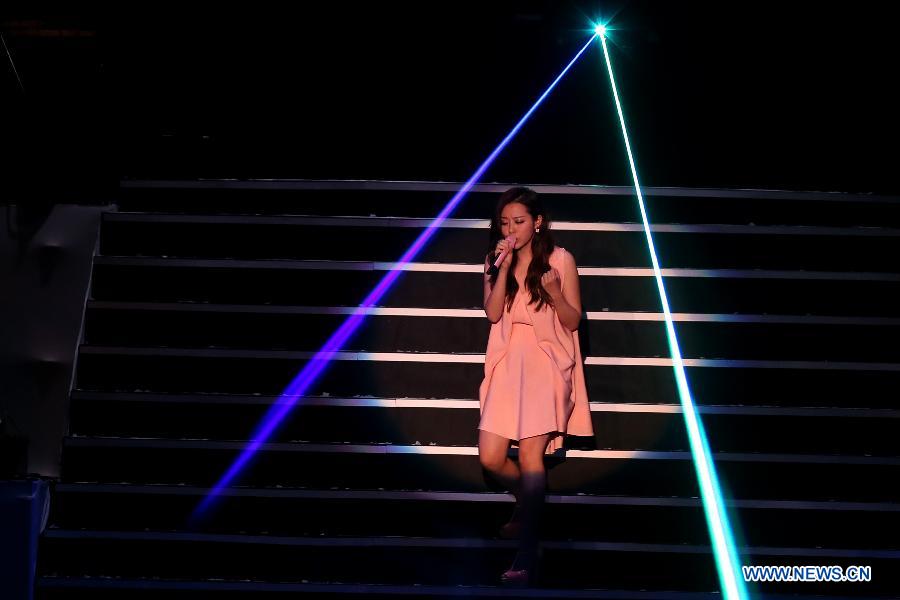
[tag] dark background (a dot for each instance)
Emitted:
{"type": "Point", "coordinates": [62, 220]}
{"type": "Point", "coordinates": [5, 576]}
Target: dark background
{"type": "Point", "coordinates": [717, 94]}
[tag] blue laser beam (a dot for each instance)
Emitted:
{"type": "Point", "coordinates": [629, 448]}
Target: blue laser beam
{"type": "Point", "coordinates": [322, 358]}
{"type": "Point", "coordinates": [727, 563]}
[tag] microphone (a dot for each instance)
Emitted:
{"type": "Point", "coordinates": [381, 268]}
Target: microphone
{"type": "Point", "coordinates": [495, 268]}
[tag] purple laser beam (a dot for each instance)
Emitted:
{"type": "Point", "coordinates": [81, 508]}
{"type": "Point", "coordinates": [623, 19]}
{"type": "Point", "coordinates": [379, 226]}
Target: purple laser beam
{"type": "Point", "coordinates": [322, 358]}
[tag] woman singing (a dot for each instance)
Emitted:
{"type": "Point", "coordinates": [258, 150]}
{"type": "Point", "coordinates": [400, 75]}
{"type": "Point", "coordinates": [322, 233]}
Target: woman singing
{"type": "Point", "coordinates": [533, 390]}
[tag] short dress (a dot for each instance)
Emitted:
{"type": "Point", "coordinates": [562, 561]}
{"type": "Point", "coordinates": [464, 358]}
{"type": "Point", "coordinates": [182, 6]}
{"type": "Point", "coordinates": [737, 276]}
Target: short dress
{"type": "Point", "coordinates": [534, 379]}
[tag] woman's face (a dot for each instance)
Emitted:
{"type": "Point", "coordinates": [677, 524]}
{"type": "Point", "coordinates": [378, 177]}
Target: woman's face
{"type": "Point", "coordinates": [515, 220]}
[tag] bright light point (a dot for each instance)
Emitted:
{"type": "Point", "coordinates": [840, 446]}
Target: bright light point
{"type": "Point", "coordinates": [600, 30]}
{"type": "Point", "coordinates": [315, 366]}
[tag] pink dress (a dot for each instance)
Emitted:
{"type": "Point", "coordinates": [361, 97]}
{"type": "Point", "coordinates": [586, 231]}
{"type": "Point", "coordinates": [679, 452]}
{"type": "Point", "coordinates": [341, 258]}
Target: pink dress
{"type": "Point", "coordinates": [533, 373]}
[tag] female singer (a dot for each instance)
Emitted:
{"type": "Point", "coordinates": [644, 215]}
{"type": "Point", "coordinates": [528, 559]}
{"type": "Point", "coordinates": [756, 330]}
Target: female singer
{"type": "Point", "coordinates": [533, 390]}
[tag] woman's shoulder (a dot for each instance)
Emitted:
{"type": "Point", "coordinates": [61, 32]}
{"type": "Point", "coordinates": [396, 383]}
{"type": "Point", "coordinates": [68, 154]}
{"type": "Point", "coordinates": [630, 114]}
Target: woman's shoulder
{"type": "Point", "coordinates": [559, 255]}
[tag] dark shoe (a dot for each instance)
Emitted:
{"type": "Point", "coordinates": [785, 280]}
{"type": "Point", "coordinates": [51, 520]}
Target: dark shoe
{"type": "Point", "coordinates": [527, 576]}
{"type": "Point", "coordinates": [517, 578]}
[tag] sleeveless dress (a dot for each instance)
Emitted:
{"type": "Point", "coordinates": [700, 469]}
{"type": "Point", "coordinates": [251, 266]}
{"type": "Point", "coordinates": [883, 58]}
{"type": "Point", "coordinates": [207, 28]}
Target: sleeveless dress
{"type": "Point", "coordinates": [533, 374]}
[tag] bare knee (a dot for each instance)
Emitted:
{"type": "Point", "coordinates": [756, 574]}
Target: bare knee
{"type": "Point", "coordinates": [492, 450]}
{"type": "Point", "coordinates": [531, 464]}
{"type": "Point", "coordinates": [492, 461]}
{"type": "Point", "coordinates": [531, 454]}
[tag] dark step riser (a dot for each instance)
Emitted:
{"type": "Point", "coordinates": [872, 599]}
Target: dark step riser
{"type": "Point", "coordinates": [457, 426]}
{"type": "Point", "coordinates": [464, 290]}
{"type": "Point", "coordinates": [394, 565]}
{"type": "Point", "coordinates": [403, 471]}
{"type": "Point", "coordinates": [648, 524]}
{"type": "Point", "coordinates": [480, 205]}
{"type": "Point", "coordinates": [595, 248]}
{"type": "Point", "coordinates": [388, 379]}
{"type": "Point", "coordinates": [381, 333]}
{"type": "Point", "coordinates": [447, 566]}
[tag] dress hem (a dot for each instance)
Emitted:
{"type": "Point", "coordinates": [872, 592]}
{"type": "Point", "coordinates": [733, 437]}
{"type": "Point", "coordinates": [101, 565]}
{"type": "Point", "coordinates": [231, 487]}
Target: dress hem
{"type": "Point", "coordinates": [556, 431]}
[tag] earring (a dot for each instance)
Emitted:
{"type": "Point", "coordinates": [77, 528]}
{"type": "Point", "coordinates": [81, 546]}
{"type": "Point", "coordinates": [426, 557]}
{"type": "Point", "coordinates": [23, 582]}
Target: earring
{"type": "Point", "coordinates": [537, 229]}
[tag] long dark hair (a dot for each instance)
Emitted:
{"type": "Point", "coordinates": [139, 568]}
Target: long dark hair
{"type": "Point", "coordinates": [542, 246]}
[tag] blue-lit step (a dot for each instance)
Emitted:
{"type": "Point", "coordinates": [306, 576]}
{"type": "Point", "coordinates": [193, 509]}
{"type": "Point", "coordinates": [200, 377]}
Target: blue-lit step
{"type": "Point", "coordinates": [407, 421]}
{"type": "Point", "coordinates": [434, 561]}
{"type": "Point", "coordinates": [415, 330]}
{"type": "Point", "coordinates": [424, 375]}
{"type": "Point", "coordinates": [460, 286]}
{"type": "Point", "coordinates": [591, 203]}
{"type": "Point", "coordinates": [457, 468]}
{"type": "Point", "coordinates": [284, 511]}
{"type": "Point", "coordinates": [385, 239]}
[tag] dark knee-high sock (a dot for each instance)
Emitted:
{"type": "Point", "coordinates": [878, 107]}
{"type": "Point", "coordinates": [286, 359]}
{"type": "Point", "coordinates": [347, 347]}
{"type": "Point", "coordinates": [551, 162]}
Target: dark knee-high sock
{"type": "Point", "coordinates": [532, 488]}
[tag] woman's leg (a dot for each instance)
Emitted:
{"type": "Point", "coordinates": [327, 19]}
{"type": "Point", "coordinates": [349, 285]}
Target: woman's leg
{"type": "Point", "coordinates": [532, 488]}
{"type": "Point", "coordinates": [492, 452]}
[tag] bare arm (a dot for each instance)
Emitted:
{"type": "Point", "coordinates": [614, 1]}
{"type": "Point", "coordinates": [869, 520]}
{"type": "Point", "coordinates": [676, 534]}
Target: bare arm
{"type": "Point", "coordinates": [494, 296]}
{"type": "Point", "coordinates": [568, 301]}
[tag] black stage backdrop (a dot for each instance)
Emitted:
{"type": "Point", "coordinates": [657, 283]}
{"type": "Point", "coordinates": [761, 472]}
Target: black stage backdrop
{"type": "Point", "coordinates": [786, 95]}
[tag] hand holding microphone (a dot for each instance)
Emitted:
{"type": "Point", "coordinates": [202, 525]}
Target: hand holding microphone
{"type": "Point", "coordinates": [504, 254]}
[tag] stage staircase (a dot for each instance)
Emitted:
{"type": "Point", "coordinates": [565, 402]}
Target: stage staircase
{"type": "Point", "coordinates": [207, 298]}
